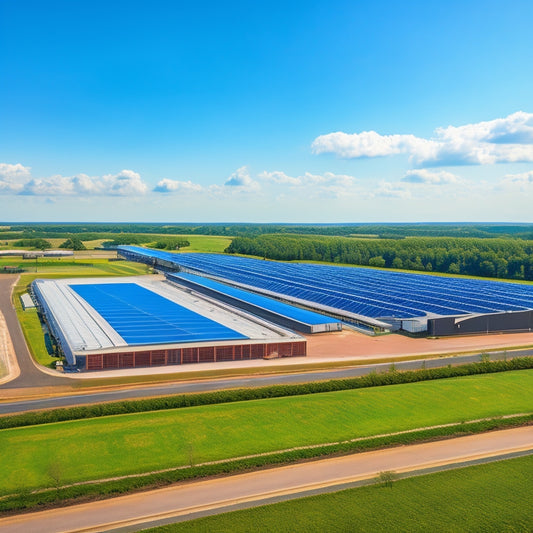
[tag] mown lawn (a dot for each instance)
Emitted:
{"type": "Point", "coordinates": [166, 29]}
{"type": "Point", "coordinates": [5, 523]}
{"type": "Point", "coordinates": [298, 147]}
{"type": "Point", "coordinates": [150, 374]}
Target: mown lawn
{"type": "Point", "coordinates": [118, 445]}
{"type": "Point", "coordinates": [491, 497]}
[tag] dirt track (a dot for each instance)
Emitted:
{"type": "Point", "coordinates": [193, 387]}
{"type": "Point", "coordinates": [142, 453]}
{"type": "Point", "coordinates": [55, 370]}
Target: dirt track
{"type": "Point", "coordinates": [350, 344]}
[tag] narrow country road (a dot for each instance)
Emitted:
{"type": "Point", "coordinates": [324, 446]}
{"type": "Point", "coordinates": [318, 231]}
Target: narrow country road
{"type": "Point", "coordinates": [30, 375]}
{"type": "Point", "coordinates": [186, 500]}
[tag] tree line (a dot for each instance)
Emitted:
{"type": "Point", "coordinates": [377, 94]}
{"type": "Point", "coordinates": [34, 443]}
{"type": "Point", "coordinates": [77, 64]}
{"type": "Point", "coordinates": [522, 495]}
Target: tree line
{"type": "Point", "coordinates": [497, 258]}
{"type": "Point", "coordinates": [93, 231]}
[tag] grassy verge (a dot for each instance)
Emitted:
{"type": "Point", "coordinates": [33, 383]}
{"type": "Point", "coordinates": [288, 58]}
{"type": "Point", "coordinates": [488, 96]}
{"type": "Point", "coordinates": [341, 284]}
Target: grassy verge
{"type": "Point", "coordinates": [26, 499]}
{"type": "Point", "coordinates": [489, 497]}
{"type": "Point", "coordinates": [130, 444]}
{"type": "Point", "coordinates": [270, 370]}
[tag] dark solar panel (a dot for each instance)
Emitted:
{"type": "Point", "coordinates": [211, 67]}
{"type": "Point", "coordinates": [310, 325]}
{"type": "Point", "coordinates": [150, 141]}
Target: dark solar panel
{"type": "Point", "coordinates": [369, 292]}
{"type": "Point", "coordinates": [283, 309]}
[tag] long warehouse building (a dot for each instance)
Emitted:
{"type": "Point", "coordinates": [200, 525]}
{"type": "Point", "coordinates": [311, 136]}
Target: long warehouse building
{"type": "Point", "coordinates": [379, 299]}
{"type": "Point", "coordinates": [106, 323]}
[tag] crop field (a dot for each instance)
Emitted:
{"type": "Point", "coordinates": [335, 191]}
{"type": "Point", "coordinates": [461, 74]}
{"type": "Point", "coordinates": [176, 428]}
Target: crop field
{"type": "Point", "coordinates": [144, 442]}
{"type": "Point", "coordinates": [490, 497]}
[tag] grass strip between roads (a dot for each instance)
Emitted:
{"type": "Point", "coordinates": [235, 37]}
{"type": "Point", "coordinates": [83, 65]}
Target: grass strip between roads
{"type": "Point", "coordinates": [392, 377]}
{"type": "Point", "coordinates": [179, 444]}
{"type": "Point", "coordinates": [489, 497]}
{"type": "Point", "coordinates": [27, 500]}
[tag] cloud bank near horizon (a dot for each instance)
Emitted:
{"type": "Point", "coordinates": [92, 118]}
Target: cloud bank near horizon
{"type": "Point", "coordinates": [503, 140]}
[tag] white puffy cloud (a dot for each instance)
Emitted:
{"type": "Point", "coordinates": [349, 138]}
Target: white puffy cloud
{"type": "Point", "coordinates": [430, 177]}
{"type": "Point", "coordinates": [241, 181]}
{"type": "Point", "coordinates": [328, 178]}
{"type": "Point", "coordinates": [12, 177]}
{"type": "Point", "coordinates": [324, 185]}
{"type": "Point", "coordinates": [392, 190]}
{"type": "Point", "coordinates": [369, 144]}
{"type": "Point", "coordinates": [503, 140]}
{"type": "Point", "coordinates": [125, 183]}
{"type": "Point", "coordinates": [175, 186]}
{"type": "Point", "coordinates": [516, 128]}
{"type": "Point", "coordinates": [280, 178]}
{"type": "Point", "coordinates": [14, 172]}
{"type": "Point", "coordinates": [522, 182]}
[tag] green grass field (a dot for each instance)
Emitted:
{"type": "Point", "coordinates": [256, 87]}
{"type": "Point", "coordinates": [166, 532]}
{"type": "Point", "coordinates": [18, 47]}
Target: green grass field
{"type": "Point", "coordinates": [494, 497]}
{"type": "Point", "coordinates": [128, 444]}
{"type": "Point", "coordinates": [205, 243]}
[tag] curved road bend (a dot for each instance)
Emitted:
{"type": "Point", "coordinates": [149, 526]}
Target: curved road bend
{"type": "Point", "coordinates": [30, 375]}
{"type": "Point", "coordinates": [233, 383]}
{"type": "Point", "coordinates": [183, 501]}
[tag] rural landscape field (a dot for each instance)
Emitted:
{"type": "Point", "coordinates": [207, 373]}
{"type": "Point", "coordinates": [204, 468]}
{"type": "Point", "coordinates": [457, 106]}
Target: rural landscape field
{"type": "Point", "coordinates": [266, 267]}
{"type": "Point", "coordinates": [125, 447]}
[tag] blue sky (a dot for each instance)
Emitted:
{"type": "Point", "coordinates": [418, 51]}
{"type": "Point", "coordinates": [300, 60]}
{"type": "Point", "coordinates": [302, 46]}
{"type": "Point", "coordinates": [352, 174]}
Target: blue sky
{"type": "Point", "coordinates": [266, 111]}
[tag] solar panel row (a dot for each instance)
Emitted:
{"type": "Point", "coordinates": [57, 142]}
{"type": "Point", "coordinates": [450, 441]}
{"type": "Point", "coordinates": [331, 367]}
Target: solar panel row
{"type": "Point", "coordinates": [280, 308]}
{"type": "Point", "coordinates": [369, 292]}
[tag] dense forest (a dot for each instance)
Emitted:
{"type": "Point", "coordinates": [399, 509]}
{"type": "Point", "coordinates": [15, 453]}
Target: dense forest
{"type": "Point", "coordinates": [500, 258]}
{"type": "Point", "coordinates": [396, 231]}
{"type": "Point", "coordinates": [489, 250]}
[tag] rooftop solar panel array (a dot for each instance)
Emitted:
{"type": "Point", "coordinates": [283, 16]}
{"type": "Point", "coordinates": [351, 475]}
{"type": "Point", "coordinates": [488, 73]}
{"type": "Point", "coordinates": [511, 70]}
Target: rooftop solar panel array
{"type": "Point", "coordinates": [280, 308]}
{"type": "Point", "coordinates": [378, 294]}
{"type": "Point", "coordinates": [141, 316]}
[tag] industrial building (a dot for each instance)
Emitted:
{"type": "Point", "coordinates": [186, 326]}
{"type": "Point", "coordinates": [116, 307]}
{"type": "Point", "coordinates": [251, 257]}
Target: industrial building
{"type": "Point", "coordinates": [149, 321]}
{"type": "Point", "coordinates": [382, 300]}
{"type": "Point", "coordinates": [270, 309]}
{"type": "Point", "coordinates": [32, 254]}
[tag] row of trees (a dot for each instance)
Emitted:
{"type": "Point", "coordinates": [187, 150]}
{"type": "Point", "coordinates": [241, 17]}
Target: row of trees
{"type": "Point", "coordinates": [73, 244]}
{"type": "Point", "coordinates": [171, 243]}
{"type": "Point", "coordinates": [95, 230]}
{"type": "Point", "coordinates": [76, 243]}
{"type": "Point", "coordinates": [37, 244]}
{"type": "Point", "coordinates": [500, 258]}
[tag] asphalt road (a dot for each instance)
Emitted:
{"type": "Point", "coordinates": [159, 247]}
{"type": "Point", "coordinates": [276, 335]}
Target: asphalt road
{"type": "Point", "coordinates": [233, 383]}
{"type": "Point", "coordinates": [30, 375]}
{"type": "Point", "coordinates": [186, 500]}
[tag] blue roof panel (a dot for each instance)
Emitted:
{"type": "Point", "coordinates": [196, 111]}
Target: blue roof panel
{"type": "Point", "coordinates": [296, 313]}
{"type": "Point", "coordinates": [374, 293]}
{"type": "Point", "coordinates": [141, 316]}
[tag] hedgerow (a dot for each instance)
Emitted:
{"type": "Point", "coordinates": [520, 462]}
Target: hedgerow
{"type": "Point", "coordinates": [179, 401]}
